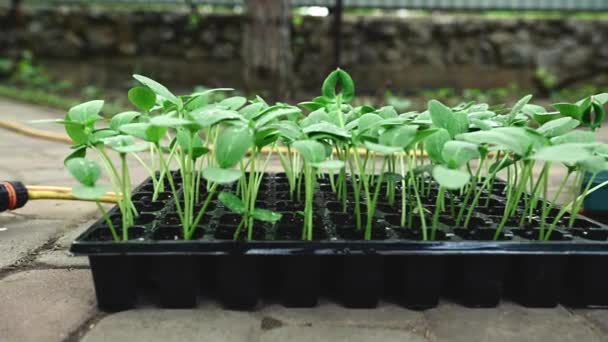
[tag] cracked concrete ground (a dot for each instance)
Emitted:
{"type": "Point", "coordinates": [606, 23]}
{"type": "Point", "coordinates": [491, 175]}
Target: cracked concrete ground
{"type": "Point", "coordinates": [47, 295]}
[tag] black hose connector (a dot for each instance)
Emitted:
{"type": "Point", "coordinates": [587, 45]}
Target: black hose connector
{"type": "Point", "coordinates": [13, 195]}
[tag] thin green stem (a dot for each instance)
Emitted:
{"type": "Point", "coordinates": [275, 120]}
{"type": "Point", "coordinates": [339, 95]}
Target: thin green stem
{"type": "Point", "coordinates": [436, 214]}
{"type": "Point", "coordinates": [108, 221]}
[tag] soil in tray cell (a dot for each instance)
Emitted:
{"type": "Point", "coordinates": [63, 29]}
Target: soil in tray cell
{"type": "Point", "coordinates": [514, 222]}
{"type": "Point", "coordinates": [416, 234]}
{"type": "Point", "coordinates": [289, 206]}
{"type": "Point", "coordinates": [582, 223]}
{"type": "Point", "coordinates": [481, 234]}
{"type": "Point", "coordinates": [386, 208]}
{"type": "Point", "coordinates": [148, 207]}
{"type": "Point", "coordinates": [346, 227]}
{"type": "Point", "coordinates": [395, 220]}
{"type": "Point", "coordinates": [198, 206]}
{"type": "Point", "coordinates": [150, 186]}
{"type": "Point", "coordinates": [534, 234]}
{"type": "Point", "coordinates": [338, 207]}
{"type": "Point", "coordinates": [141, 220]}
{"type": "Point", "coordinates": [171, 219]}
{"type": "Point", "coordinates": [147, 197]}
{"type": "Point", "coordinates": [228, 224]}
{"type": "Point", "coordinates": [282, 187]}
{"type": "Point", "coordinates": [176, 232]}
{"type": "Point", "coordinates": [476, 222]}
{"type": "Point", "coordinates": [496, 210]}
{"type": "Point", "coordinates": [592, 234]}
{"type": "Point", "coordinates": [290, 228]}
{"type": "Point", "coordinates": [103, 233]}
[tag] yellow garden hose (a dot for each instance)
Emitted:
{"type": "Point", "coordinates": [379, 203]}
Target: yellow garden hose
{"type": "Point", "coordinates": [63, 193]}
{"type": "Point", "coordinates": [35, 133]}
{"type": "Point", "coordinates": [14, 195]}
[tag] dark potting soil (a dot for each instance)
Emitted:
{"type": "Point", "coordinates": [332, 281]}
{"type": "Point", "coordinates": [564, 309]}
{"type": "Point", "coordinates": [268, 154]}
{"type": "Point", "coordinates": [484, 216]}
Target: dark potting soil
{"type": "Point", "coordinates": [333, 221]}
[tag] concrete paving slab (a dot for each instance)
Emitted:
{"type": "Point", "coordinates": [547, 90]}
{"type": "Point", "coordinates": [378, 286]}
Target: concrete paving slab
{"type": "Point", "coordinates": [597, 317]}
{"type": "Point", "coordinates": [152, 325]}
{"type": "Point", "coordinates": [61, 259]}
{"type": "Point", "coordinates": [509, 322]}
{"type": "Point", "coordinates": [388, 316]}
{"type": "Point", "coordinates": [45, 305]}
{"type": "Point", "coordinates": [21, 236]}
{"type": "Point", "coordinates": [65, 211]}
{"type": "Point", "coordinates": [338, 334]}
{"type": "Point", "coordinates": [23, 112]}
{"type": "Point", "coordinates": [65, 241]}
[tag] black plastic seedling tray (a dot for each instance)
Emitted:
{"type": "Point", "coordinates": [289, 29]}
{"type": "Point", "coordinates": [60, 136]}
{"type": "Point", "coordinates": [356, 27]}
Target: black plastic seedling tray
{"type": "Point", "coordinates": [466, 265]}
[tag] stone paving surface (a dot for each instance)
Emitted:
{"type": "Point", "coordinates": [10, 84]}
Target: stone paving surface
{"type": "Point", "coordinates": [47, 295]}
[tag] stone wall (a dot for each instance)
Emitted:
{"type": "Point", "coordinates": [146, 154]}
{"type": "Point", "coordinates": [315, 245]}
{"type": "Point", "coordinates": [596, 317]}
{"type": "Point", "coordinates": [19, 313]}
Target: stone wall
{"type": "Point", "coordinates": [404, 53]}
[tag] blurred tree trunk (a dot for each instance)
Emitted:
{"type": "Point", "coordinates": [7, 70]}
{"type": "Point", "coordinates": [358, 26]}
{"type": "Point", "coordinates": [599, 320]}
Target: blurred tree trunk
{"type": "Point", "coordinates": [267, 58]}
{"type": "Point", "coordinates": [13, 15]}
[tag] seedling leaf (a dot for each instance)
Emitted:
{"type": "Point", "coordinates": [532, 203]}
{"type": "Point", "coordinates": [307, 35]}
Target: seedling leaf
{"type": "Point", "coordinates": [234, 102]}
{"type": "Point", "coordinates": [232, 202]}
{"type": "Point", "coordinates": [449, 178]}
{"type": "Point", "coordinates": [86, 113]}
{"type": "Point", "coordinates": [312, 151]}
{"type": "Point", "coordinates": [518, 107]}
{"type": "Point", "coordinates": [85, 171]}
{"type": "Point", "coordinates": [340, 78]}
{"type": "Point", "coordinates": [125, 144]}
{"type": "Point", "coordinates": [558, 127]}
{"type": "Point", "coordinates": [434, 145]}
{"type": "Point", "coordinates": [158, 88]}
{"type": "Point", "coordinates": [575, 137]}
{"type": "Point", "coordinates": [266, 215]}
{"type": "Point", "coordinates": [221, 176]}
{"type": "Point", "coordinates": [232, 145]}
{"type": "Point", "coordinates": [570, 153]}
{"type": "Point", "coordinates": [122, 119]}
{"type": "Point", "coordinates": [329, 164]}
{"type": "Point", "coordinates": [142, 97]}
{"type": "Point", "coordinates": [457, 153]}
{"type": "Point", "coordinates": [89, 192]}
{"type": "Point", "coordinates": [207, 117]}
{"type": "Point", "coordinates": [168, 121]}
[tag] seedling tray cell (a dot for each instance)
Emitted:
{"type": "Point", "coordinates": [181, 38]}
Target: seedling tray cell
{"type": "Point", "coordinates": [396, 264]}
